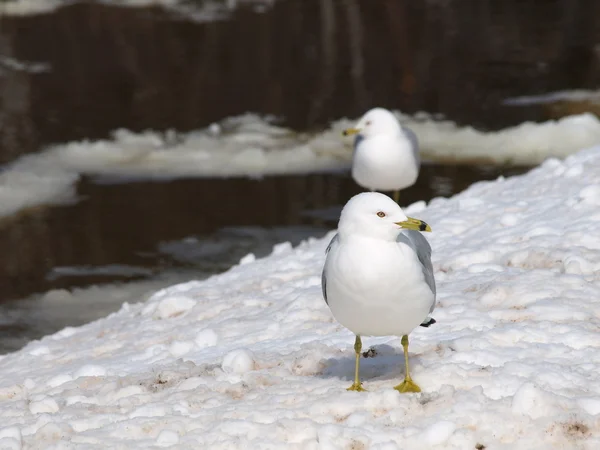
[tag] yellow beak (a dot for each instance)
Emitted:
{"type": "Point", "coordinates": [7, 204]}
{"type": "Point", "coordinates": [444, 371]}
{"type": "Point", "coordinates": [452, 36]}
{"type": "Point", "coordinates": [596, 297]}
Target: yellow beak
{"type": "Point", "coordinates": [414, 224]}
{"type": "Point", "coordinates": [350, 131]}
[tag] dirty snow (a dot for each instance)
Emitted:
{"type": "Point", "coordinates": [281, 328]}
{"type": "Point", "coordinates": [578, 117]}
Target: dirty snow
{"type": "Point", "coordinates": [253, 359]}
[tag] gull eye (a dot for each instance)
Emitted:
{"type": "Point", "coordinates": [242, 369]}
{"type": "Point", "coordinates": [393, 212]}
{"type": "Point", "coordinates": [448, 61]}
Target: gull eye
{"type": "Point", "coordinates": [368, 122]}
{"type": "Point", "coordinates": [381, 214]}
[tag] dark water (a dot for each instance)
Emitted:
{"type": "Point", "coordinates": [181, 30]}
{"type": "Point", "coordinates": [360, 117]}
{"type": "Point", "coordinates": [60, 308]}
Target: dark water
{"type": "Point", "coordinates": [124, 223]}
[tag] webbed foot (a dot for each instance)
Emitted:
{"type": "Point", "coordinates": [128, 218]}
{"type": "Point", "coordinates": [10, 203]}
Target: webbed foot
{"type": "Point", "coordinates": [408, 385]}
{"type": "Point", "coordinates": [357, 387]}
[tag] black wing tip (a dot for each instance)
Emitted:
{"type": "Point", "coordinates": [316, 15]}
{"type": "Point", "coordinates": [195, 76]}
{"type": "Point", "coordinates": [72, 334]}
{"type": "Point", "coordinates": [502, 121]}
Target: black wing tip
{"type": "Point", "coordinates": [428, 323]}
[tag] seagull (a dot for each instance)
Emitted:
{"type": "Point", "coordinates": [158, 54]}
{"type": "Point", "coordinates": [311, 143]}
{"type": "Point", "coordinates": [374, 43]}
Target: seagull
{"type": "Point", "coordinates": [386, 154]}
{"type": "Point", "coordinates": [378, 278]}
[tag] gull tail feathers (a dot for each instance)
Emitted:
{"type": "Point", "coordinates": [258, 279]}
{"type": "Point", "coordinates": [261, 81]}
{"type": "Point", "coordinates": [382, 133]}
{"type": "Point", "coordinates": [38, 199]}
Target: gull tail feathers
{"type": "Point", "coordinates": [428, 322]}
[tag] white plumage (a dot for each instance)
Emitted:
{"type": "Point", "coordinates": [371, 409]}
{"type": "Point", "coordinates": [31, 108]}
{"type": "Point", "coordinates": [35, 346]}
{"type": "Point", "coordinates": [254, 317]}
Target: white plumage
{"type": "Point", "coordinates": [376, 287]}
{"type": "Point", "coordinates": [378, 278]}
{"type": "Point", "coordinates": [386, 155]}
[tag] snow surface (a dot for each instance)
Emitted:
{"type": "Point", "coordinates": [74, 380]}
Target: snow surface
{"type": "Point", "coordinates": [253, 359]}
{"type": "Point", "coordinates": [254, 147]}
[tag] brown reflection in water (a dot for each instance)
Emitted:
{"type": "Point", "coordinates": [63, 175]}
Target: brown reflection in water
{"type": "Point", "coordinates": [123, 223]}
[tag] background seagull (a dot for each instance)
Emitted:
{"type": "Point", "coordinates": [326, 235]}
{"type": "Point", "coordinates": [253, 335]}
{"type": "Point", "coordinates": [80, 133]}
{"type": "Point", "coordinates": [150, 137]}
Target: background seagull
{"type": "Point", "coordinates": [386, 154]}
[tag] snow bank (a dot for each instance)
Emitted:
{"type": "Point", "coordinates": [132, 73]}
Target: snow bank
{"type": "Point", "coordinates": [251, 146]}
{"type": "Point", "coordinates": [12, 64]}
{"type": "Point", "coordinates": [203, 11]}
{"type": "Point", "coordinates": [253, 359]}
{"type": "Point", "coordinates": [575, 95]}
{"type": "Point", "coordinates": [526, 144]}
{"type": "Point", "coordinates": [25, 7]}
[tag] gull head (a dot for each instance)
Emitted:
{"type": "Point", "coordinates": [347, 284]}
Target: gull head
{"type": "Point", "coordinates": [377, 121]}
{"type": "Point", "coordinates": [375, 215]}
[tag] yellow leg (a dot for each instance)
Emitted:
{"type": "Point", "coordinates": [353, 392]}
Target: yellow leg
{"type": "Point", "coordinates": [357, 385]}
{"type": "Point", "coordinates": [408, 385]}
{"type": "Point", "coordinates": [396, 196]}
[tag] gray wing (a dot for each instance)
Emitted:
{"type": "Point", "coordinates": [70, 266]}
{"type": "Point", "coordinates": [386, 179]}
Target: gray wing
{"type": "Point", "coordinates": [333, 242]}
{"type": "Point", "coordinates": [357, 140]}
{"type": "Point", "coordinates": [419, 244]}
{"type": "Point", "coordinates": [414, 142]}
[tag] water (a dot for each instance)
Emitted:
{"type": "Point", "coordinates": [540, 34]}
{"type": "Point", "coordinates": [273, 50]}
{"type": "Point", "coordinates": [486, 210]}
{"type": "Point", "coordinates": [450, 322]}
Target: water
{"type": "Point", "coordinates": [68, 265]}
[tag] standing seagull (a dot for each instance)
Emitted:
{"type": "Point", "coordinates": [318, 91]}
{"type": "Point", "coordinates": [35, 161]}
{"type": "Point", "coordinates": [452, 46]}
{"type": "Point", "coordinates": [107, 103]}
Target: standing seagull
{"type": "Point", "coordinates": [386, 154]}
{"type": "Point", "coordinates": [378, 278]}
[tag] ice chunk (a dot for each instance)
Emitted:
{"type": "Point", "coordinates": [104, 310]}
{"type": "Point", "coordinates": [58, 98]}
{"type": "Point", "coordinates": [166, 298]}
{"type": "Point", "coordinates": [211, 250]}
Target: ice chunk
{"type": "Point", "coordinates": [43, 404]}
{"type": "Point", "coordinates": [238, 361]}
{"type": "Point", "coordinates": [173, 306]}
{"type": "Point", "coordinates": [206, 338]}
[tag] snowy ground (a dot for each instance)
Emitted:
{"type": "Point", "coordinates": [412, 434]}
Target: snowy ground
{"type": "Point", "coordinates": [252, 146]}
{"type": "Point", "coordinates": [253, 359]}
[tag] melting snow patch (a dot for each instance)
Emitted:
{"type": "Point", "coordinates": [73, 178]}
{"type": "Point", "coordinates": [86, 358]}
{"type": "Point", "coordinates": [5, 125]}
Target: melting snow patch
{"type": "Point", "coordinates": [578, 95]}
{"type": "Point", "coordinates": [205, 11]}
{"type": "Point", "coordinates": [252, 146]}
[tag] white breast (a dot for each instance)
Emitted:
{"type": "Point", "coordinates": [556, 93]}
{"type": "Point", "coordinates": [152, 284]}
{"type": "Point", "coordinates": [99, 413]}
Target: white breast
{"type": "Point", "coordinates": [376, 288]}
{"type": "Point", "coordinates": [385, 163]}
